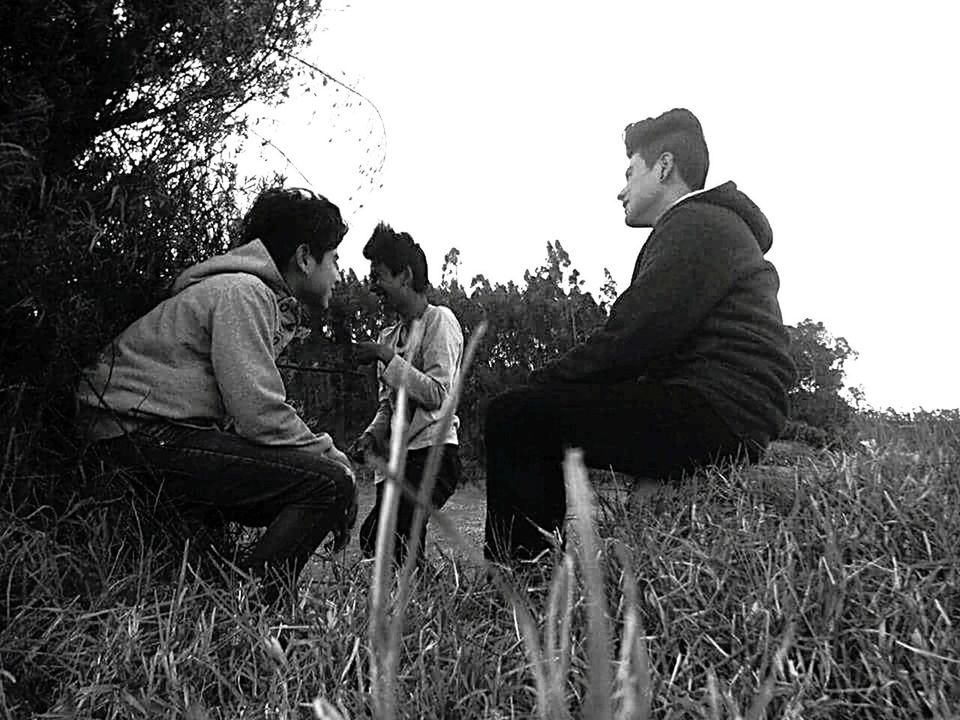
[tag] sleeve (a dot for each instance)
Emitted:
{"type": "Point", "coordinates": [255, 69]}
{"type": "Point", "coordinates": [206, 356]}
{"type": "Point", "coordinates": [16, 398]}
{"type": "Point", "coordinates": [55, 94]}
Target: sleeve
{"type": "Point", "coordinates": [696, 260]}
{"type": "Point", "coordinates": [441, 349]}
{"type": "Point", "coordinates": [241, 352]}
{"type": "Point", "coordinates": [379, 427]}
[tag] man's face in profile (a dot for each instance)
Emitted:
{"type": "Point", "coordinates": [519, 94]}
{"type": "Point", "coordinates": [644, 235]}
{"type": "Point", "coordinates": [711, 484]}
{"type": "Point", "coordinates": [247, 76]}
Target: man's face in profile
{"type": "Point", "coordinates": [641, 193]}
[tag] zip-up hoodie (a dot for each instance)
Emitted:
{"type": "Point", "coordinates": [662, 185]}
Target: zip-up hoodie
{"type": "Point", "coordinates": [206, 356]}
{"type": "Point", "coordinates": [701, 311]}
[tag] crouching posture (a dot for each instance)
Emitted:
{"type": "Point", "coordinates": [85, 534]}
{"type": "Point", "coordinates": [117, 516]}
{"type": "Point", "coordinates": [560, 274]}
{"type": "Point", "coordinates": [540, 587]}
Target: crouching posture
{"type": "Point", "coordinates": [192, 393]}
{"type": "Point", "coordinates": [691, 366]}
{"type": "Point", "coordinates": [427, 362]}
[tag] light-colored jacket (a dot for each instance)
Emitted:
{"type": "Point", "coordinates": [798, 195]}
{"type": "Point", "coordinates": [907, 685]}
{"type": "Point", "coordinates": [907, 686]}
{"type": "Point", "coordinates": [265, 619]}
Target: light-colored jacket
{"type": "Point", "coordinates": [206, 356]}
{"type": "Point", "coordinates": [428, 363]}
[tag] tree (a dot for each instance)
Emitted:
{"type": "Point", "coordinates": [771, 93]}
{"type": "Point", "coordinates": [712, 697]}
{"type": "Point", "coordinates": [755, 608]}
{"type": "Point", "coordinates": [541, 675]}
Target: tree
{"type": "Point", "coordinates": [150, 76]}
{"type": "Point", "coordinates": [113, 117]}
{"type": "Point", "coordinates": [819, 411]}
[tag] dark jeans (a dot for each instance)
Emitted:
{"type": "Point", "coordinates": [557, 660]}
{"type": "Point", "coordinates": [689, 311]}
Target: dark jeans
{"type": "Point", "coordinates": [296, 493]}
{"type": "Point", "coordinates": [641, 428]}
{"type": "Point", "coordinates": [448, 477]}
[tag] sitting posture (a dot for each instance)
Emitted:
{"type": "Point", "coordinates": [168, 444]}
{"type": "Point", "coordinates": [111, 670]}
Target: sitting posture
{"type": "Point", "coordinates": [191, 393]}
{"type": "Point", "coordinates": [691, 366]}
{"type": "Point", "coordinates": [427, 362]}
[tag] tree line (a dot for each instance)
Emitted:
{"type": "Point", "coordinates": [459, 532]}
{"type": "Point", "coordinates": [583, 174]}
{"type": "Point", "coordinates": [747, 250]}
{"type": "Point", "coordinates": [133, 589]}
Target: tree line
{"type": "Point", "coordinates": [534, 321]}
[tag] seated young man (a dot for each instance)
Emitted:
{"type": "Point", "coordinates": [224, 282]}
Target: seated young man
{"type": "Point", "coordinates": [427, 362]}
{"type": "Point", "coordinates": [192, 393]}
{"type": "Point", "coordinates": [691, 366]}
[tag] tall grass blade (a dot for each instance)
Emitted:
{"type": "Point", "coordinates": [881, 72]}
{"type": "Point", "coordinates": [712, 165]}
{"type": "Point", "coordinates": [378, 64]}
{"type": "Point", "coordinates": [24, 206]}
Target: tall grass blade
{"type": "Point", "coordinates": [423, 504]}
{"type": "Point", "coordinates": [597, 703]}
{"type": "Point", "coordinates": [557, 653]}
{"type": "Point", "coordinates": [759, 705]}
{"type": "Point", "coordinates": [634, 687]}
{"type": "Point", "coordinates": [382, 665]}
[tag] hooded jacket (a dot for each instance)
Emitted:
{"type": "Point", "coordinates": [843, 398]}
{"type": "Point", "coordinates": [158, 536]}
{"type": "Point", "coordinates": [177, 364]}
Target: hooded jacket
{"type": "Point", "coordinates": [701, 311]}
{"type": "Point", "coordinates": [206, 356]}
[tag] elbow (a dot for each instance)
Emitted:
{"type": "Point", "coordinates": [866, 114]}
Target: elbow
{"type": "Point", "coordinates": [436, 399]}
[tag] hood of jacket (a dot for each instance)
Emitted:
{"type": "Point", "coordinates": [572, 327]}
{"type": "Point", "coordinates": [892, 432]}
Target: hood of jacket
{"type": "Point", "coordinates": [728, 196]}
{"type": "Point", "coordinates": [251, 258]}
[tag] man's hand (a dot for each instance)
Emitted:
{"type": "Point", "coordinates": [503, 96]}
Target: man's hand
{"type": "Point", "coordinates": [341, 531]}
{"type": "Point", "coordinates": [368, 352]}
{"type": "Point", "coordinates": [361, 446]}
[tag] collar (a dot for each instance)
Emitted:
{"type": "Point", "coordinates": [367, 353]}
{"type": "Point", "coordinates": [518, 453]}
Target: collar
{"type": "Point", "coordinates": [690, 195]}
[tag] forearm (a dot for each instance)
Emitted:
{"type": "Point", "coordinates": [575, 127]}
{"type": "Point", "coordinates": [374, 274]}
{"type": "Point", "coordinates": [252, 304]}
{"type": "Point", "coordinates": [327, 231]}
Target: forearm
{"type": "Point", "coordinates": [425, 389]}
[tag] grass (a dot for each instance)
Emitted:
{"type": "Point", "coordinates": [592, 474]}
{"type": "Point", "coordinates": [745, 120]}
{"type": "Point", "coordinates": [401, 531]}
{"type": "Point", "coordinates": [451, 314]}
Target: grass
{"type": "Point", "coordinates": [832, 593]}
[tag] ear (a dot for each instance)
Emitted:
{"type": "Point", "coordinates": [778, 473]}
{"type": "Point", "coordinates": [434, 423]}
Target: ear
{"type": "Point", "coordinates": [406, 276]}
{"type": "Point", "coordinates": [665, 165]}
{"type": "Point", "coordinates": [302, 257]}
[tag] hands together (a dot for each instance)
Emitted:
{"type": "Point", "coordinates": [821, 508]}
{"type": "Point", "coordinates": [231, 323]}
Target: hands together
{"type": "Point", "coordinates": [363, 445]}
{"type": "Point", "coordinates": [368, 352]}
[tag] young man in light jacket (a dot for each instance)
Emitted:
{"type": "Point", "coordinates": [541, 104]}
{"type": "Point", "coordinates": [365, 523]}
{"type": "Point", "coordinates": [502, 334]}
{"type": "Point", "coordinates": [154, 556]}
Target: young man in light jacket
{"type": "Point", "coordinates": [191, 390]}
{"type": "Point", "coordinates": [427, 361]}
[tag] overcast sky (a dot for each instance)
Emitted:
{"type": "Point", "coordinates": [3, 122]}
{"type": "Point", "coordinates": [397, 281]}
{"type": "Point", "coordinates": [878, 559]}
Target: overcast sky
{"type": "Point", "coordinates": [504, 125]}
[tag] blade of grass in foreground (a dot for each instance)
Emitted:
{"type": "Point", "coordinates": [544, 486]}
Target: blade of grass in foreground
{"type": "Point", "coordinates": [382, 661]}
{"type": "Point", "coordinates": [633, 685]}
{"type": "Point", "coordinates": [597, 702]}
{"type": "Point", "coordinates": [384, 634]}
{"type": "Point", "coordinates": [429, 479]}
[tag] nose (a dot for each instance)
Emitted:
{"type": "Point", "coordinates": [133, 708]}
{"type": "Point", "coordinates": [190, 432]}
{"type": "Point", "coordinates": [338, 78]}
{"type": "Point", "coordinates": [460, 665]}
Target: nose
{"type": "Point", "coordinates": [622, 195]}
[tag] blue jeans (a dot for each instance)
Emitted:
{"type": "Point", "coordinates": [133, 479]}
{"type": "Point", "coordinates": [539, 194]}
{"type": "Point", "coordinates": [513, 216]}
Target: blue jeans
{"type": "Point", "coordinates": [298, 494]}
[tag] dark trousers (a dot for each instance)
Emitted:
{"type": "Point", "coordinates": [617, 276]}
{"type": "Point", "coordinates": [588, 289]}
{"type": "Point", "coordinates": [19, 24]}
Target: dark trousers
{"type": "Point", "coordinates": [296, 493]}
{"type": "Point", "coordinates": [642, 428]}
{"type": "Point", "coordinates": [448, 477]}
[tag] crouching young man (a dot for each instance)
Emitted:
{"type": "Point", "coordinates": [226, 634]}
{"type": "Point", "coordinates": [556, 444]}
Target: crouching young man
{"type": "Point", "coordinates": [191, 390]}
{"type": "Point", "coordinates": [428, 362]}
{"type": "Point", "coordinates": [691, 366]}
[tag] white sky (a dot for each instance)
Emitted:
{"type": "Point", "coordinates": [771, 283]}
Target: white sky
{"type": "Point", "coordinates": [504, 126]}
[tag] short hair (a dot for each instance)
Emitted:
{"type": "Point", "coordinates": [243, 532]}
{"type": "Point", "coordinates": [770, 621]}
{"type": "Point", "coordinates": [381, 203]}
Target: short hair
{"type": "Point", "coordinates": [285, 218]}
{"type": "Point", "coordinates": [397, 250]}
{"type": "Point", "coordinates": [678, 132]}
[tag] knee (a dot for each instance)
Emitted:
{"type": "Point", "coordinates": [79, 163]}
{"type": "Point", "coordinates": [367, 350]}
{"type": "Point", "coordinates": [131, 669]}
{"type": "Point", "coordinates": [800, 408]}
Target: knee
{"type": "Point", "coordinates": [345, 486]}
{"type": "Point", "coordinates": [332, 487]}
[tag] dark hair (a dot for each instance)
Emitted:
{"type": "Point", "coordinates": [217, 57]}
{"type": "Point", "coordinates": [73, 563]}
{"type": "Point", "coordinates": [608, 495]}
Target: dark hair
{"type": "Point", "coordinates": [285, 218]}
{"type": "Point", "coordinates": [397, 250]}
{"type": "Point", "coordinates": [678, 132]}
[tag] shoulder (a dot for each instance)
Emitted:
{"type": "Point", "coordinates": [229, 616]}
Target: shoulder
{"type": "Point", "coordinates": [441, 316]}
{"type": "Point", "coordinates": [703, 227]}
{"type": "Point", "coordinates": [240, 285]}
{"type": "Point", "coordinates": [704, 215]}
{"type": "Point", "coordinates": [237, 290]}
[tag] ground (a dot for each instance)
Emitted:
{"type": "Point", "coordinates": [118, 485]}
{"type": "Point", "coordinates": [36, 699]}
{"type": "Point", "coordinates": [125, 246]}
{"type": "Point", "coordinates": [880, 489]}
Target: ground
{"type": "Point", "coordinates": [465, 509]}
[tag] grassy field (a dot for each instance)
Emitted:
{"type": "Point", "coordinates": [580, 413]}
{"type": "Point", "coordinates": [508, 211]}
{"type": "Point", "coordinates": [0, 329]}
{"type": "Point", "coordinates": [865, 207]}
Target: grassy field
{"type": "Point", "coordinates": [823, 588]}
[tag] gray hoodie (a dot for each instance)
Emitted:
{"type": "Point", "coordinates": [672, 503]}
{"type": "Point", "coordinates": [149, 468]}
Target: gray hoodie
{"type": "Point", "coordinates": [206, 356]}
